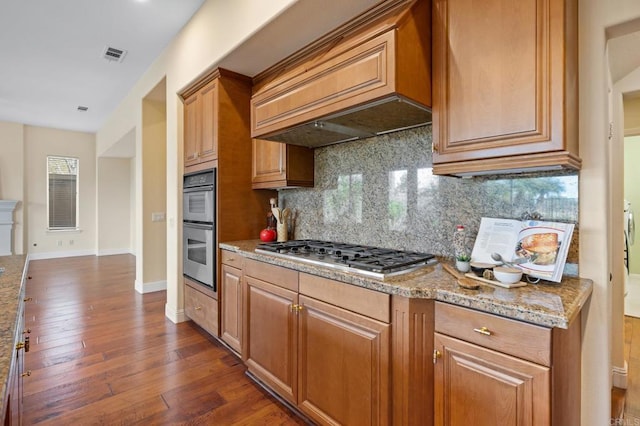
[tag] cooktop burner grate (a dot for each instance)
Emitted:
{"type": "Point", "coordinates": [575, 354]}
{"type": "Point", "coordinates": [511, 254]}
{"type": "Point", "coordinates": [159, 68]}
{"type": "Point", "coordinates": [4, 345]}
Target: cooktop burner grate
{"type": "Point", "coordinates": [374, 261]}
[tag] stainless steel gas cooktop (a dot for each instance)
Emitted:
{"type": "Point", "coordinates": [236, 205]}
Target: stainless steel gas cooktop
{"type": "Point", "coordinates": [365, 260]}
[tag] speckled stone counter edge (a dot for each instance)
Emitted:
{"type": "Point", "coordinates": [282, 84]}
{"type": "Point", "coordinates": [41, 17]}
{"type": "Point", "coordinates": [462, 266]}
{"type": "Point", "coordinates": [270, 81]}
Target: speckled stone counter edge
{"type": "Point", "coordinates": [550, 305]}
{"type": "Point", "coordinates": [10, 304]}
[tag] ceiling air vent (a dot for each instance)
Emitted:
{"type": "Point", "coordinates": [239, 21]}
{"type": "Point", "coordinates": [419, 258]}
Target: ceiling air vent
{"type": "Point", "coordinates": [113, 54]}
{"type": "Point", "coordinates": [82, 108]}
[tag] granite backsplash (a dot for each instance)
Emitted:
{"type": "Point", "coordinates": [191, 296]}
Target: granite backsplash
{"type": "Point", "coordinates": [380, 191]}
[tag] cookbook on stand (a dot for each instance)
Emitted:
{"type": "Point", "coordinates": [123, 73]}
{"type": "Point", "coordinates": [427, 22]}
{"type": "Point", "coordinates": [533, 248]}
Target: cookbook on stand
{"type": "Point", "coordinates": [539, 248]}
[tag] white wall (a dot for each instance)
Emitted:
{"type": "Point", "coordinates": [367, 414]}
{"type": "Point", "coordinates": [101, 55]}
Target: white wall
{"type": "Point", "coordinates": [12, 178]}
{"type": "Point", "coordinates": [39, 143]}
{"type": "Point", "coordinates": [114, 206]}
{"type": "Point", "coordinates": [132, 206]}
{"type": "Point", "coordinates": [595, 221]}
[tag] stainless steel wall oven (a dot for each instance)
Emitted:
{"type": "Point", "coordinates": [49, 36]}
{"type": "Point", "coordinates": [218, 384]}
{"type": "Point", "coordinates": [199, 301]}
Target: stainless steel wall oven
{"type": "Point", "coordinates": [198, 227]}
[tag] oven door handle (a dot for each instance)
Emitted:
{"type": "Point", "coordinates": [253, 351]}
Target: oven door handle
{"type": "Point", "coordinates": [204, 226]}
{"type": "Point", "coordinates": [198, 188]}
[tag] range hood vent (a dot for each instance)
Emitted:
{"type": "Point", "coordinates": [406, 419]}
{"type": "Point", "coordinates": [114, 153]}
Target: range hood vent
{"type": "Point", "coordinates": [372, 78]}
{"type": "Point", "coordinates": [373, 119]}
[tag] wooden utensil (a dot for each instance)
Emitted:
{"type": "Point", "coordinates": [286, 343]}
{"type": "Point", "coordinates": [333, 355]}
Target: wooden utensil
{"type": "Point", "coordinates": [462, 280]}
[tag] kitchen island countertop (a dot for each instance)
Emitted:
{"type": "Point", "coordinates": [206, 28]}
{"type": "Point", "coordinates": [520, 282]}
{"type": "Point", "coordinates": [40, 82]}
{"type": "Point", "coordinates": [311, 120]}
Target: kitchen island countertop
{"type": "Point", "coordinates": [550, 305]}
{"type": "Point", "coordinates": [10, 303]}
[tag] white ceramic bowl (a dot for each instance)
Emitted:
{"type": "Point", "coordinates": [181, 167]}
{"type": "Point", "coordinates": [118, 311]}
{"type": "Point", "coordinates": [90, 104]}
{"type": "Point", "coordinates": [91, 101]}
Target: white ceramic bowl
{"type": "Point", "coordinates": [507, 275]}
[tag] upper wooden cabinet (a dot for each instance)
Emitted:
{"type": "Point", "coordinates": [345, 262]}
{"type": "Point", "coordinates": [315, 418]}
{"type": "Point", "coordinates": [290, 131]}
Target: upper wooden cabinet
{"type": "Point", "coordinates": [505, 86]}
{"type": "Point", "coordinates": [370, 77]}
{"type": "Point", "coordinates": [277, 165]}
{"type": "Point", "coordinates": [200, 125]}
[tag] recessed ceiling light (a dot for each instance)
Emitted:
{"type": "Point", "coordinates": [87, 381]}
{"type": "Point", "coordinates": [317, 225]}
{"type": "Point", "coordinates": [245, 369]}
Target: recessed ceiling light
{"type": "Point", "coordinates": [82, 108]}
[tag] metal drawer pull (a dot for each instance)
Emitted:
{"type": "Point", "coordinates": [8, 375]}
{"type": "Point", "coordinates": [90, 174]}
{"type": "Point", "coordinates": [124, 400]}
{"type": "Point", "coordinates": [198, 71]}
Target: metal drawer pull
{"type": "Point", "coordinates": [483, 330]}
{"type": "Point", "coordinates": [198, 308]}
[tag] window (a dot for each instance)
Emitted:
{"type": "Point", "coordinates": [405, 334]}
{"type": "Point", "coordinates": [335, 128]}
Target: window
{"type": "Point", "coordinates": [62, 196]}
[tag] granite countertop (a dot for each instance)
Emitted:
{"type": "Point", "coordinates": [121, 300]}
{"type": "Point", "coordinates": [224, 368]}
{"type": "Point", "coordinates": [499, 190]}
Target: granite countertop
{"type": "Point", "coordinates": [10, 294]}
{"type": "Point", "coordinates": [550, 305]}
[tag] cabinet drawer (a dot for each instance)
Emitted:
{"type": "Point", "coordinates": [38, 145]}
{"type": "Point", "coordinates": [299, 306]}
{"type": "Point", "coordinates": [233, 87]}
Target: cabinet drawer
{"type": "Point", "coordinates": [202, 309]}
{"type": "Point", "coordinates": [523, 340]}
{"type": "Point", "coordinates": [360, 300]}
{"type": "Point", "coordinates": [231, 258]}
{"type": "Point", "coordinates": [277, 275]}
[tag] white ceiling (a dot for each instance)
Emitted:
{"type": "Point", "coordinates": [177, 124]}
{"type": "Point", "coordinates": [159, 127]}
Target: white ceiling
{"type": "Point", "coordinates": [52, 55]}
{"type": "Point", "coordinates": [52, 51]}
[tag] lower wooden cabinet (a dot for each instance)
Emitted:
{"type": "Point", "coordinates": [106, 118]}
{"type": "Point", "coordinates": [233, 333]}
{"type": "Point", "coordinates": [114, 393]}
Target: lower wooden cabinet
{"type": "Point", "coordinates": [201, 307]}
{"type": "Point", "coordinates": [271, 332]}
{"type": "Point", "coordinates": [490, 370]}
{"type": "Point", "coordinates": [478, 386]}
{"type": "Point", "coordinates": [329, 361]}
{"type": "Point", "coordinates": [343, 365]}
{"type": "Point", "coordinates": [231, 300]}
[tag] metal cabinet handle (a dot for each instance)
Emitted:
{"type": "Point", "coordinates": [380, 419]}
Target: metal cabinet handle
{"type": "Point", "coordinates": [198, 308]}
{"type": "Point", "coordinates": [483, 330]}
{"type": "Point", "coordinates": [436, 354]}
{"type": "Point", "coordinates": [26, 373]}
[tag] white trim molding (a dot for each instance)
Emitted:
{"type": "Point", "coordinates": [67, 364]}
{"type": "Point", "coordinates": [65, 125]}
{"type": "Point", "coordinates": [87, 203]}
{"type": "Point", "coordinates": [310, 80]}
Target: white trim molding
{"type": "Point", "coordinates": [150, 287]}
{"type": "Point", "coordinates": [111, 252]}
{"type": "Point", "coordinates": [175, 316]}
{"type": "Point", "coordinates": [620, 375]}
{"type": "Point", "coordinates": [58, 254]}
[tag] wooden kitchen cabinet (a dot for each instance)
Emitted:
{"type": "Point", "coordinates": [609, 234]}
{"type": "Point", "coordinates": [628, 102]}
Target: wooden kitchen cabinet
{"type": "Point", "coordinates": [505, 89]}
{"type": "Point", "coordinates": [201, 306]}
{"type": "Point", "coordinates": [368, 77]}
{"type": "Point", "coordinates": [200, 125]}
{"type": "Point", "coordinates": [320, 344]}
{"type": "Point", "coordinates": [13, 411]}
{"type": "Point", "coordinates": [231, 300]}
{"type": "Point", "coordinates": [278, 165]}
{"type": "Point", "coordinates": [478, 386]}
{"type": "Point", "coordinates": [491, 370]}
{"type": "Point", "coordinates": [271, 329]}
{"type": "Point", "coordinates": [343, 365]}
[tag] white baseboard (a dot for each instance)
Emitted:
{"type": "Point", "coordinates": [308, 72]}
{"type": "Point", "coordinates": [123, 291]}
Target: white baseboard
{"type": "Point", "coordinates": [619, 376]}
{"type": "Point", "coordinates": [634, 276]}
{"type": "Point", "coordinates": [58, 254]}
{"type": "Point", "coordinates": [111, 252]}
{"type": "Point", "coordinates": [150, 287]}
{"type": "Point", "coordinates": [175, 316]}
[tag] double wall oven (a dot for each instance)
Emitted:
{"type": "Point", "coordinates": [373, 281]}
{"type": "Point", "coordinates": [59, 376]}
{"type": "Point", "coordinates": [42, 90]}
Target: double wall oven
{"type": "Point", "coordinates": [198, 227]}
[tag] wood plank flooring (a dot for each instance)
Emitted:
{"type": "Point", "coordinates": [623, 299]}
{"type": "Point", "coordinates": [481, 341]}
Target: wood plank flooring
{"type": "Point", "coordinates": [103, 354]}
{"type": "Point", "coordinates": [632, 355]}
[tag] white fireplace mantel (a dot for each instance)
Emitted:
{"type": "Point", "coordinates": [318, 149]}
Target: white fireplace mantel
{"type": "Point", "coordinates": [6, 226]}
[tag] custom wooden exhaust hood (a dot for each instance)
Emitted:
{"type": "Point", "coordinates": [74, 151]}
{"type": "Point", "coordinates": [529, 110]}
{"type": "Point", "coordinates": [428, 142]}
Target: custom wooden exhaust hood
{"type": "Point", "coordinates": [369, 77]}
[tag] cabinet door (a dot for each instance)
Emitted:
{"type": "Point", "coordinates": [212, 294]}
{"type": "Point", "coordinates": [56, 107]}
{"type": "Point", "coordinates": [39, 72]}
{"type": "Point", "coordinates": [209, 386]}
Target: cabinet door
{"type": "Point", "coordinates": [343, 365]}
{"type": "Point", "coordinates": [278, 165]}
{"type": "Point", "coordinates": [271, 328]}
{"type": "Point", "coordinates": [478, 386]}
{"type": "Point", "coordinates": [269, 161]}
{"type": "Point", "coordinates": [502, 81]}
{"type": "Point", "coordinates": [192, 129]}
{"type": "Point", "coordinates": [231, 305]}
{"type": "Point", "coordinates": [208, 149]}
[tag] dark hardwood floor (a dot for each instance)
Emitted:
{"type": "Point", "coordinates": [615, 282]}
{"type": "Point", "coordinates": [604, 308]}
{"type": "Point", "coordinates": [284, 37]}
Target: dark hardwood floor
{"type": "Point", "coordinates": [103, 354]}
{"type": "Point", "coordinates": [632, 355]}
